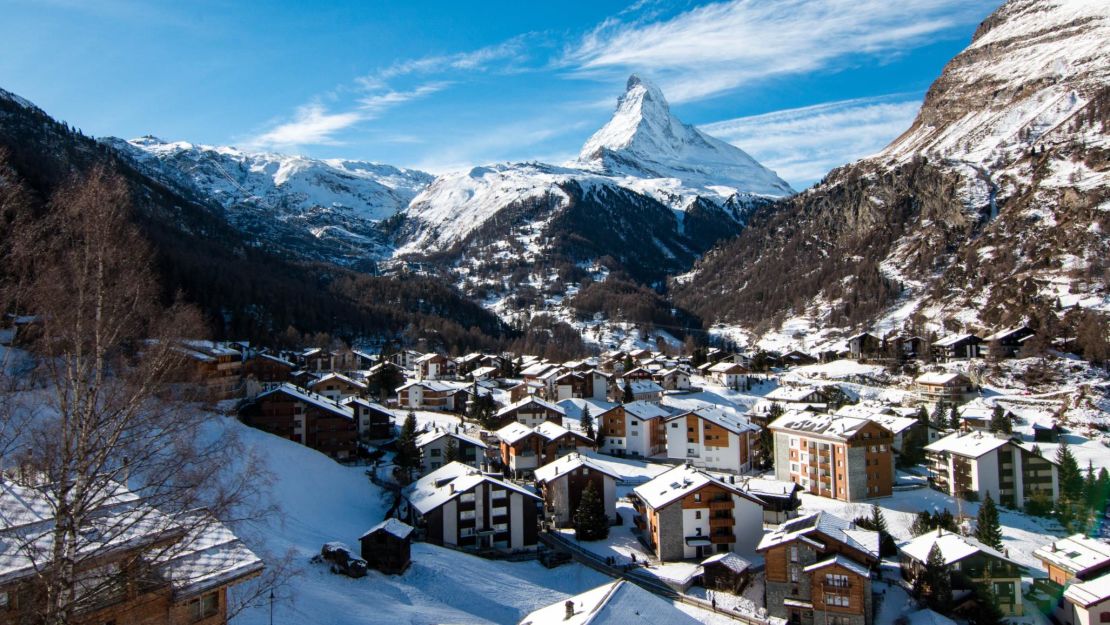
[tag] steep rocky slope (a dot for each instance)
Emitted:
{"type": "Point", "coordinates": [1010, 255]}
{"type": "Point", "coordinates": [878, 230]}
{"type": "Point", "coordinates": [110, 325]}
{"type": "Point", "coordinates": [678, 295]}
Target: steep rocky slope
{"type": "Point", "coordinates": [991, 209]}
{"type": "Point", "coordinates": [318, 209]}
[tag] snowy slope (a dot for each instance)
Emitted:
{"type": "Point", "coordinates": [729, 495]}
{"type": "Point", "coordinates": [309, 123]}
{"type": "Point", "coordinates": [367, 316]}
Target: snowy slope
{"type": "Point", "coordinates": [325, 209]}
{"type": "Point", "coordinates": [323, 501]}
{"type": "Point", "coordinates": [644, 140]}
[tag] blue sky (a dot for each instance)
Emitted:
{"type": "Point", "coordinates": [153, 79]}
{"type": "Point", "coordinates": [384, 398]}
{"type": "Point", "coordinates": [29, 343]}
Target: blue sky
{"type": "Point", "coordinates": [803, 85]}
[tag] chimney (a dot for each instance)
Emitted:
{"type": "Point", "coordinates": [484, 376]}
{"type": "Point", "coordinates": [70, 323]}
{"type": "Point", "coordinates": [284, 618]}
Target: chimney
{"type": "Point", "coordinates": [570, 610]}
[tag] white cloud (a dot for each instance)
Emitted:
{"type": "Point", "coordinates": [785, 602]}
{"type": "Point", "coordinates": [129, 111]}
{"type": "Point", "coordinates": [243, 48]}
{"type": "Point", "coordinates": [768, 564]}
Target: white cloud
{"type": "Point", "coordinates": [311, 125]}
{"type": "Point", "coordinates": [714, 48]}
{"type": "Point", "coordinates": [803, 144]}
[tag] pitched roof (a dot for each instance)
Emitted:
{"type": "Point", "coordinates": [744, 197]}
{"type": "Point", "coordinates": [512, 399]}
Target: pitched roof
{"type": "Point", "coordinates": [967, 444]}
{"type": "Point", "coordinates": [392, 526]}
{"type": "Point", "coordinates": [337, 376]}
{"type": "Point", "coordinates": [645, 410]}
{"type": "Point", "coordinates": [450, 481]}
{"type": "Point", "coordinates": [615, 603]}
{"type": "Point", "coordinates": [830, 426]}
{"type": "Point", "coordinates": [645, 386]}
{"type": "Point", "coordinates": [312, 398]}
{"type": "Point", "coordinates": [568, 463]}
{"type": "Point", "coordinates": [792, 393]}
{"type": "Point", "coordinates": [431, 385]}
{"type": "Point", "coordinates": [1090, 592]}
{"type": "Point", "coordinates": [431, 436]}
{"type": "Point", "coordinates": [938, 378]}
{"type": "Point", "coordinates": [514, 432]}
{"type": "Point", "coordinates": [532, 399]}
{"type": "Point", "coordinates": [679, 482]}
{"type": "Point", "coordinates": [832, 526]}
{"type": "Point", "coordinates": [729, 560]}
{"type": "Point", "coordinates": [840, 560]}
{"type": "Point", "coordinates": [952, 339]}
{"type": "Point", "coordinates": [953, 547]}
{"type": "Point", "coordinates": [1076, 553]}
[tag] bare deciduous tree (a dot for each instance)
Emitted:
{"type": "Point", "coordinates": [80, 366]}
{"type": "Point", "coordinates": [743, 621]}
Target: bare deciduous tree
{"type": "Point", "coordinates": [107, 403]}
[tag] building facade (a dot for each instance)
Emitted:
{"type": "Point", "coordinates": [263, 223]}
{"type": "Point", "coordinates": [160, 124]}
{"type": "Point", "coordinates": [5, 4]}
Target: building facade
{"type": "Point", "coordinates": [845, 458]}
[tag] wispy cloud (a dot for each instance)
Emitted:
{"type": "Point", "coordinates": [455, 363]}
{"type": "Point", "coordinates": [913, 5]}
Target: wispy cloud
{"type": "Point", "coordinates": [373, 95]}
{"type": "Point", "coordinates": [803, 144]}
{"type": "Point", "coordinates": [718, 47]}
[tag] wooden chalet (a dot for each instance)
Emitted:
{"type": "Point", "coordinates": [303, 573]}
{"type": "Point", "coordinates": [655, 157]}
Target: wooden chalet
{"type": "Point", "coordinates": [969, 562]}
{"type": "Point", "coordinates": [304, 417]}
{"type": "Point", "coordinates": [387, 546]}
{"type": "Point", "coordinates": [562, 482]}
{"type": "Point", "coordinates": [375, 421]}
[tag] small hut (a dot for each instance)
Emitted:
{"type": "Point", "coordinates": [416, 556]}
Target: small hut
{"type": "Point", "coordinates": [386, 546]}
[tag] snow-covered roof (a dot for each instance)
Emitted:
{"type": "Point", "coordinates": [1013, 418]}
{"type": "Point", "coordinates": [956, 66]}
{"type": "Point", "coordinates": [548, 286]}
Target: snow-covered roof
{"type": "Point", "coordinates": [967, 444]}
{"type": "Point", "coordinates": [362, 401]}
{"type": "Point", "coordinates": [721, 418]}
{"type": "Point", "coordinates": [1090, 592]}
{"type": "Point", "coordinates": [645, 386]}
{"type": "Point", "coordinates": [830, 525]}
{"type": "Point", "coordinates": [953, 547]}
{"type": "Point", "coordinates": [532, 399]}
{"type": "Point", "coordinates": [1001, 334]}
{"type": "Point", "coordinates": [431, 385]}
{"type": "Point", "coordinates": [201, 553]}
{"type": "Point", "coordinates": [483, 371]}
{"type": "Point", "coordinates": [951, 340]}
{"type": "Point", "coordinates": [1076, 553]}
{"type": "Point", "coordinates": [729, 560]}
{"type": "Point", "coordinates": [277, 359]}
{"type": "Point", "coordinates": [514, 432]}
{"type": "Point", "coordinates": [615, 603]}
{"type": "Point", "coordinates": [307, 396]}
{"type": "Point", "coordinates": [337, 376]}
{"type": "Point", "coordinates": [426, 438]}
{"type": "Point", "coordinates": [792, 393]}
{"type": "Point", "coordinates": [573, 407]}
{"type": "Point", "coordinates": [928, 617]}
{"type": "Point", "coordinates": [762, 487]}
{"type": "Point", "coordinates": [449, 481]}
{"type": "Point", "coordinates": [840, 560]}
{"type": "Point", "coordinates": [428, 358]}
{"type": "Point", "coordinates": [645, 410]}
{"type": "Point", "coordinates": [392, 526]}
{"type": "Point", "coordinates": [568, 463]}
{"type": "Point", "coordinates": [938, 378]}
{"type": "Point", "coordinates": [537, 370]}
{"type": "Point", "coordinates": [551, 430]}
{"type": "Point", "coordinates": [828, 426]}
{"type": "Point", "coordinates": [725, 367]}
{"type": "Point", "coordinates": [679, 482]}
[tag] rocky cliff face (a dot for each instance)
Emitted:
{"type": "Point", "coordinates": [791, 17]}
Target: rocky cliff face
{"type": "Point", "coordinates": [991, 208]}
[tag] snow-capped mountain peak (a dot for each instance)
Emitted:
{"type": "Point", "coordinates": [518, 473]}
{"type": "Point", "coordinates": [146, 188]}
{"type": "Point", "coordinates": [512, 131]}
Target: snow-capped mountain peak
{"type": "Point", "coordinates": [644, 139]}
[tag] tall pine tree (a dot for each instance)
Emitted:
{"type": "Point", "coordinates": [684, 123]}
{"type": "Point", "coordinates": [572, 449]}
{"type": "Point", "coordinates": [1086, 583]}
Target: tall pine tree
{"type": "Point", "coordinates": [1071, 479]}
{"type": "Point", "coordinates": [590, 522]}
{"type": "Point", "coordinates": [987, 528]}
{"type": "Point", "coordinates": [408, 454]}
{"type": "Point", "coordinates": [939, 418]}
{"type": "Point", "coordinates": [587, 422]}
{"type": "Point", "coordinates": [954, 418]}
{"type": "Point", "coordinates": [937, 581]}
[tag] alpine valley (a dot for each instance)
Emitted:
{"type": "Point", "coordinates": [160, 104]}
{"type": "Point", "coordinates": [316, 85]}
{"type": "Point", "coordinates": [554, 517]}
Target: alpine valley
{"type": "Point", "coordinates": [991, 208]}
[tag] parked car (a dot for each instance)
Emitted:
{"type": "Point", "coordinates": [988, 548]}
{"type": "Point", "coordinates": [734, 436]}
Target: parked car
{"type": "Point", "coordinates": [343, 560]}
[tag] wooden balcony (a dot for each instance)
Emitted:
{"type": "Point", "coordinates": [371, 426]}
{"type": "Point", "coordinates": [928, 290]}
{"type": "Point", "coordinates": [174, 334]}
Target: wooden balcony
{"type": "Point", "coordinates": [721, 504]}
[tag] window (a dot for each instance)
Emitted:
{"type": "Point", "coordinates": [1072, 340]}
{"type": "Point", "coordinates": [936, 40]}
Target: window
{"type": "Point", "coordinates": [793, 442]}
{"type": "Point", "coordinates": [1104, 617]}
{"type": "Point", "coordinates": [435, 453]}
{"type": "Point", "coordinates": [840, 601]}
{"type": "Point", "coordinates": [697, 497]}
{"type": "Point", "coordinates": [204, 606]}
{"type": "Point", "coordinates": [836, 581]}
{"type": "Point", "coordinates": [794, 574]}
{"type": "Point", "coordinates": [697, 514]}
{"type": "Point", "coordinates": [5, 602]}
{"type": "Point", "coordinates": [674, 426]}
{"type": "Point", "coordinates": [793, 553]}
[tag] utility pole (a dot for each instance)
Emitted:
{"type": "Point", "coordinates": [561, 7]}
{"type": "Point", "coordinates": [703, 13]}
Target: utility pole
{"type": "Point", "coordinates": [271, 606]}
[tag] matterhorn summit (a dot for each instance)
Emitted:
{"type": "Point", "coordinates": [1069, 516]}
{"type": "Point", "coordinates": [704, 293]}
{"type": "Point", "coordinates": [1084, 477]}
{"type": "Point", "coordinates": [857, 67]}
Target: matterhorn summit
{"type": "Point", "coordinates": [645, 140]}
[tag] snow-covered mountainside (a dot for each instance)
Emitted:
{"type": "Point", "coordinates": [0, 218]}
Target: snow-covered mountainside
{"type": "Point", "coordinates": [643, 149]}
{"type": "Point", "coordinates": [992, 208]}
{"type": "Point", "coordinates": [644, 140]}
{"type": "Point", "coordinates": [324, 209]}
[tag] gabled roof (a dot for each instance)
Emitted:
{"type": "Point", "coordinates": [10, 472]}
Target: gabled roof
{"type": "Point", "coordinates": [793, 393]}
{"type": "Point", "coordinates": [337, 376]}
{"type": "Point", "coordinates": [1006, 333]}
{"type": "Point", "coordinates": [832, 526]}
{"type": "Point", "coordinates": [967, 444]}
{"type": "Point", "coordinates": [645, 386]}
{"type": "Point", "coordinates": [1076, 553]}
{"type": "Point", "coordinates": [532, 399]}
{"type": "Point", "coordinates": [840, 560]}
{"type": "Point", "coordinates": [953, 339]}
{"type": "Point", "coordinates": [278, 360]}
{"type": "Point", "coordinates": [828, 426]}
{"type": "Point", "coordinates": [680, 481]}
{"type": "Point", "coordinates": [939, 378]}
{"type": "Point", "coordinates": [568, 463]}
{"type": "Point", "coordinates": [1087, 594]}
{"type": "Point", "coordinates": [725, 367]}
{"type": "Point", "coordinates": [431, 385]}
{"type": "Point", "coordinates": [721, 418]}
{"type": "Point", "coordinates": [391, 526]}
{"type": "Point", "coordinates": [953, 547]}
{"type": "Point", "coordinates": [448, 482]}
{"type": "Point", "coordinates": [616, 603]}
{"type": "Point", "coordinates": [431, 436]}
{"type": "Point", "coordinates": [762, 487]}
{"type": "Point", "coordinates": [537, 370]}
{"type": "Point", "coordinates": [362, 401]}
{"type": "Point", "coordinates": [514, 432]}
{"type": "Point", "coordinates": [309, 397]}
{"type": "Point", "coordinates": [644, 410]}
{"type": "Point", "coordinates": [729, 560]}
